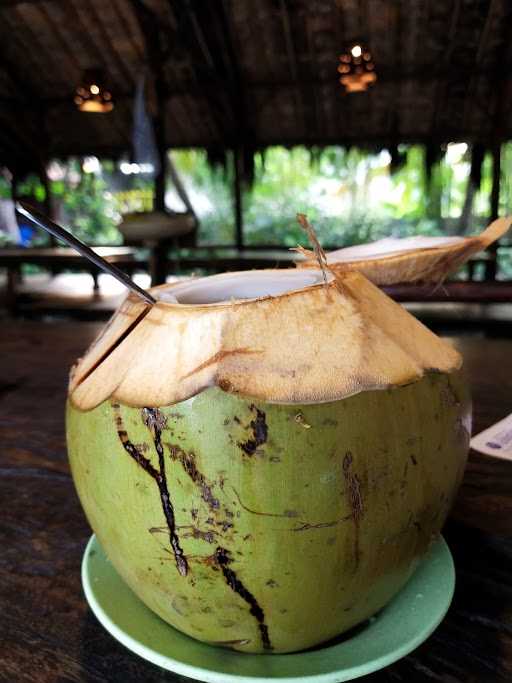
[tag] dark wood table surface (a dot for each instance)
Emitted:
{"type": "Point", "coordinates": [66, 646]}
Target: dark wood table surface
{"type": "Point", "coordinates": [47, 632]}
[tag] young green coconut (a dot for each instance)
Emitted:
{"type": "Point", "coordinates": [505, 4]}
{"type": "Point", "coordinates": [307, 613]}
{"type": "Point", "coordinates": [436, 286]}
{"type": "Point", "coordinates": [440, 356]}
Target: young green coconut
{"type": "Point", "coordinates": [266, 456]}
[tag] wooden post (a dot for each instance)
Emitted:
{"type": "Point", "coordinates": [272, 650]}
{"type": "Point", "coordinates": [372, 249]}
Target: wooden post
{"type": "Point", "coordinates": [14, 274]}
{"type": "Point", "coordinates": [43, 173]}
{"type": "Point", "coordinates": [152, 33]}
{"type": "Point", "coordinates": [237, 192]}
{"type": "Point", "coordinates": [159, 202]}
{"type": "Point", "coordinates": [433, 155]}
{"type": "Point", "coordinates": [14, 186]}
{"type": "Point", "coordinates": [496, 174]}
{"type": "Point", "coordinates": [159, 127]}
{"type": "Point", "coordinates": [474, 182]}
{"type": "Point", "coordinates": [158, 250]}
{"type": "Point", "coordinates": [491, 266]}
{"type": "Point", "coordinates": [47, 204]}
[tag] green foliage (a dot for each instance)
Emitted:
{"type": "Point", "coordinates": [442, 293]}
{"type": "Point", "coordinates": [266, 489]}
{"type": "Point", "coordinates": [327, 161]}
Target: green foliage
{"type": "Point", "coordinates": [89, 209]}
{"type": "Point", "coordinates": [210, 192]}
{"type": "Point", "coordinates": [506, 181]}
{"type": "Point", "coordinates": [82, 201]}
{"type": "Point", "coordinates": [350, 195]}
{"type": "Point", "coordinates": [5, 186]}
{"type": "Point", "coordinates": [337, 190]}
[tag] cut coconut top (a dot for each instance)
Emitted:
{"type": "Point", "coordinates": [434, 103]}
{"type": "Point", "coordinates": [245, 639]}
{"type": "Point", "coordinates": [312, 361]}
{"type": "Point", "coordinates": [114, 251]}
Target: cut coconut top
{"type": "Point", "coordinates": [277, 335]}
{"type": "Point", "coordinates": [411, 259]}
{"type": "Point", "coordinates": [389, 246]}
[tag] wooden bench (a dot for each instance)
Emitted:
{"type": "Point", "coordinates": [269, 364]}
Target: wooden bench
{"type": "Point", "coordinates": [58, 258]}
{"type": "Point", "coordinates": [222, 259]}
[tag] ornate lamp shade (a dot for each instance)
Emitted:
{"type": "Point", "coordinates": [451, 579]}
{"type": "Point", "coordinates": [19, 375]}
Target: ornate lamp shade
{"type": "Point", "coordinates": [91, 95]}
{"type": "Point", "coordinates": [357, 69]}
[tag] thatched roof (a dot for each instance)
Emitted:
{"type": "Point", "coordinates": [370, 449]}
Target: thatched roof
{"type": "Point", "coordinates": [256, 72]}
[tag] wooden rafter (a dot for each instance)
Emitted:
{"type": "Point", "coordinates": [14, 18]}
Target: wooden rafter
{"type": "Point", "coordinates": [292, 60]}
{"type": "Point", "coordinates": [500, 110]}
{"type": "Point", "coordinates": [441, 81]}
{"type": "Point", "coordinates": [474, 77]}
{"type": "Point", "coordinates": [26, 94]}
{"type": "Point", "coordinates": [89, 45]}
{"type": "Point", "coordinates": [107, 44]}
{"type": "Point", "coordinates": [244, 137]}
{"type": "Point", "coordinates": [205, 86]}
{"type": "Point", "coordinates": [126, 28]}
{"type": "Point", "coordinates": [238, 92]}
{"type": "Point", "coordinates": [203, 69]}
{"type": "Point", "coordinates": [211, 82]}
{"type": "Point", "coordinates": [151, 31]}
{"type": "Point", "coordinates": [26, 137]}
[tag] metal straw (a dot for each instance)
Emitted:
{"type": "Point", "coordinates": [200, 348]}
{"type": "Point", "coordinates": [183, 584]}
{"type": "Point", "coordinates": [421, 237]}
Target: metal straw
{"type": "Point", "coordinates": [58, 231]}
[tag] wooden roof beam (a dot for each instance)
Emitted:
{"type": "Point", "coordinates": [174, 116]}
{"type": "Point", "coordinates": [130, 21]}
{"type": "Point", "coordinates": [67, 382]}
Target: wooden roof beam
{"type": "Point", "coordinates": [500, 110]}
{"type": "Point", "coordinates": [288, 37]}
{"type": "Point", "coordinates": [204, 87]}
{"type": "Point", "coordinates": [156, 54]}
{"type": "Point", "coordinates": [215, 48]}
{"type": "Point", "coordinates": [237, 91]}
{"type": "Point", "coordinates": [21, 85]}
{"type": "Point", "coordinates": [369, 141]}
{"type": "Point", "coordinates": [151, 31]}
{"type": "Point", "coordinates": [502, 79]}
{"type": "Point", "coordinates": [87, 41]}
{"type": "Point", "coordinates": [28, 137]}
{"type": "Point", "coordinates": [213, 83]}
{"type": "Point", "coordinates": [495, 73]}
{"type": "Point", "coordinates": [292, 58]}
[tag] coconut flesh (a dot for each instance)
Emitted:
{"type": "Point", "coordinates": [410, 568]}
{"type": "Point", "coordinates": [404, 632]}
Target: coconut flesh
{"type": "Point", "coordinates": [238, 286]}
{"type": "Point", "coordinates": [266, 456]}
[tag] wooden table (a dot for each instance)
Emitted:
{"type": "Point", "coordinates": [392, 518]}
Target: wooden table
{"type": "Point", "coordinates": [62, 258]}
{"type": "Point", "coordinates": [47, 632]}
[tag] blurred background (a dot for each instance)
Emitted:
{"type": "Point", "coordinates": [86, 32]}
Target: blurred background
{"type": "Point", "coordinates": [184, 136]}
{"type": "Point", "coordinates": [351, 195]}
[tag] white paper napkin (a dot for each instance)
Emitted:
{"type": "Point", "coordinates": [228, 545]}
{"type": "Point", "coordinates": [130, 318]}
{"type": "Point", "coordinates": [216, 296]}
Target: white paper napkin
{"type": "Point", "coordinates": [496, 440]}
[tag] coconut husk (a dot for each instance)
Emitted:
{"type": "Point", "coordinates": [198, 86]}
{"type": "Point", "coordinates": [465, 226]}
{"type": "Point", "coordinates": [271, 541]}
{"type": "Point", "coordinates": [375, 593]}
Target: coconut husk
{"type": "Point", "coordinates": [302, 341]}
{"type": "Point", "coordinates": [428, 260]}
{"type": "Point", "coordinates": [318, 252]}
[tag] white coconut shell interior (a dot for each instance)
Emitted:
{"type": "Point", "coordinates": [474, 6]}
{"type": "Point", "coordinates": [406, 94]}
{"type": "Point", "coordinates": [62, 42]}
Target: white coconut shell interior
{"type": "Point", "coordinates": [277, 335]}
{"type": "Point", "coordinates": [411, 259]}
